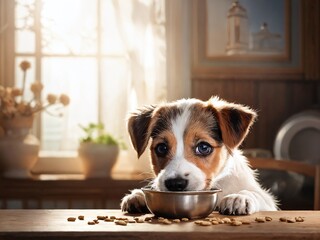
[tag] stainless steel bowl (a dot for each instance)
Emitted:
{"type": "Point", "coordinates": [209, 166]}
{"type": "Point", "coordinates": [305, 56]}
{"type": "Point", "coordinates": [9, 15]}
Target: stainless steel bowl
{"type": "Point", "coordinates": [189, 204]}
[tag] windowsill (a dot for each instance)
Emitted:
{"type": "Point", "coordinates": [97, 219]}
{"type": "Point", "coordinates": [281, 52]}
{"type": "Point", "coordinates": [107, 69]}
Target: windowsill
{"type": "Point", "coordinates": [68, 166]}
{"type": "Point", "coordinates": [122, 176]}
{"type": "Point", "coordinates": [58, 163]}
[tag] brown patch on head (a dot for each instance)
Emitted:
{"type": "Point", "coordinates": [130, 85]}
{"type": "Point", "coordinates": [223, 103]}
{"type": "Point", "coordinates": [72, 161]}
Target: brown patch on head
{"type": "Point", "coordinates": [161, 120]}
{"type": "Point", "coordinates": [165, 137]}
{"type": "Point", "coordinates": [149, 122]}
{"type": "Point", "coordinates": [234, 120]}
{"type": "Point", "coordinates": [153, 122]}
{"type": "Point", "coordinates": [138, 128]}
{"type": "Point", "coordinates": [161, 133]}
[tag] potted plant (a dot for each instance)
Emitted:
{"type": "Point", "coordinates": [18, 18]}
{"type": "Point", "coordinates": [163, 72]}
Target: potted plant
{"type": "Point", "coordinates": [98, 151]}
{"type": "Point", "coordinates": [19, 148]}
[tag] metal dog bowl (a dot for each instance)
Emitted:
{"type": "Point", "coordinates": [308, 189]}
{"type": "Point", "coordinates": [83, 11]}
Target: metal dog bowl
{"type": "Point", "coordinates": [189, 204]}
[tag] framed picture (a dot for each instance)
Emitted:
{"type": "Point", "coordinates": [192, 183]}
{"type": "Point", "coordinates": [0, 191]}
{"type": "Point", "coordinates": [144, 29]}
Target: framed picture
{"type": "Point", "coordinates": [246, 36]}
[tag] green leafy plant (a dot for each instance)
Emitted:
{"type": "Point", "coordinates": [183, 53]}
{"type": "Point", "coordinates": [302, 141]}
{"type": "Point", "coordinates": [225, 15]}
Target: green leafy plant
{"type": "Point", "coordinates": [95, 133]}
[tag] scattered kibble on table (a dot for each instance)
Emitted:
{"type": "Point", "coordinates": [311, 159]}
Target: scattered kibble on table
{"type": "Point", "coordinates": [208, 221]}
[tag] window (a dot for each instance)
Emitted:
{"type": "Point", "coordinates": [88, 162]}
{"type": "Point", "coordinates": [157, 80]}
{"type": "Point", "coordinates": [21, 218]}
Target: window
{"type": "Point", "coordinates": [107, 55]}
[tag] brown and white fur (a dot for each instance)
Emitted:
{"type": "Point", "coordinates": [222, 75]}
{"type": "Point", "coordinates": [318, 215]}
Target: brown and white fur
{"type": "Point", "coordinates": [195, 147]}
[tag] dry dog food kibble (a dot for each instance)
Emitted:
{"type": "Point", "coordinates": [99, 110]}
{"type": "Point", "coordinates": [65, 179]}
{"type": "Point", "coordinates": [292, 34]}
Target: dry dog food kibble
{"type": "Point", "coordinates": [176, 220]}
{"type": "Point", "coordinates": [226, 220]}
{"type": "Point", "coordinates": [205, 223]}
{"type": "Point", "coordinates": [236, 223]}
{"type": "Point", "coordinates": [101, 217]}
{"type": "Point", "coordinates": [291, 220]}
{"type": "Point", "coordinates": [121, 222]}
{"type": "Point", "coordinates": [246, 221]}
{"type": "Point", "coordinates": [166, 221]}
{"type": "Point", "coordinates": [283, 219]}
{"type": "Point", "coordinates": [299, 219]}
{"type": "Point", "coordinates": [268, 219]}
{"type": "Point", "coordinates": [108, 220]}
{"type": "Point", "coordinates": [81, 217]}
{"type": "Point", "coordinates": [71, 219]}
{"type": "Point", "coordinates": [260, 219]}
{"type": "Point", "coordinates": [139, 220]}
{"type": "Point", "coordinates": [91, 223]}
{"type": "Point", "coordinates": [184, 219]}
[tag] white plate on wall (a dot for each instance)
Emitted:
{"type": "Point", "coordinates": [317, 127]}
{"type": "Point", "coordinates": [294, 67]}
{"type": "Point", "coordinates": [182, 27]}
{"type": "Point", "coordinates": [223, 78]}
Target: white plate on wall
{"type": "Point", "coordinates": [299, 138]}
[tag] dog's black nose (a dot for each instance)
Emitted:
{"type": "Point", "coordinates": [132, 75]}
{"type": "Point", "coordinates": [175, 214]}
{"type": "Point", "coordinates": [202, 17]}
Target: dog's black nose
{"type": "Point", "coordinates": [176, 184]}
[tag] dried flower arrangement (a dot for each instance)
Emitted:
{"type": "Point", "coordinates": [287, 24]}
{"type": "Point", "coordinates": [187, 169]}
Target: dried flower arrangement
{"type": "Point", "coordinates": [13, 104]}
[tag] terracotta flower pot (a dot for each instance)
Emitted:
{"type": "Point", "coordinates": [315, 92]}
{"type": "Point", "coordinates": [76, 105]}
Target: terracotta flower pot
{"type": "Point", "coordinates": [98, 159]}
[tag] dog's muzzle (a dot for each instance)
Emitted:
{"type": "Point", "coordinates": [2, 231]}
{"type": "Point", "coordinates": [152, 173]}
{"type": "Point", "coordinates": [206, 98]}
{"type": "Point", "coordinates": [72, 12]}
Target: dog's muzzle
{"type": "Point", "coordinates": [176, 184]}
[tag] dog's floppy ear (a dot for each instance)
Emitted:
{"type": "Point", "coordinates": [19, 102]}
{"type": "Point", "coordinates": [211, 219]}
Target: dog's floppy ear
{"type": "Point", "coordinates": [138, 127]}
{"type": "Point", "coordinates": [234, 120]}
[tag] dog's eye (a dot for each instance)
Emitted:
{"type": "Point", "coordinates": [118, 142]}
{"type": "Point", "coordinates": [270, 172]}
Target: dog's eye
{"type": "Point", "coordinates": [203, 149]}
{"type": "Point", "coordinates": [161, 149]}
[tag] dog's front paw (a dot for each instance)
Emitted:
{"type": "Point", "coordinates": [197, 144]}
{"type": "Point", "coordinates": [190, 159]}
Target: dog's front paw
{"type": "Point", "coordinates": [237, 204]}
{"type": "Point", "coordinates": [134, 202]}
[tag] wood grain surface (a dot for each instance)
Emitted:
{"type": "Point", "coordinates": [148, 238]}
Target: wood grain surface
{"type": "Point", "coordinates": [53, 224]}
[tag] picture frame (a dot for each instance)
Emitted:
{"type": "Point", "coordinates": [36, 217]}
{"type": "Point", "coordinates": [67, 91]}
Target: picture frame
{"type": "Point", "coordinates": [247, 37]}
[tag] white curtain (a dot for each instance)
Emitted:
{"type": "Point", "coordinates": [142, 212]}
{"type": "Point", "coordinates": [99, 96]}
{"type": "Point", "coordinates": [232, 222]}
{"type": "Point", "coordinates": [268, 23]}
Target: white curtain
{"type": "Point", "coordinates": [141, 26]}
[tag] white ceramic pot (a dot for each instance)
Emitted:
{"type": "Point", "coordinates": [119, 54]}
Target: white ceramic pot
{"type": "Point", "coordinates": [98, 159]}
{"type": "Point", "coordinates": [18, 153]}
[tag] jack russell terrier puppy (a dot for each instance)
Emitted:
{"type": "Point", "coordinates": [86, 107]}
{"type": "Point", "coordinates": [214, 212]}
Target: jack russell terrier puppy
{"type": "Point", "coordinates": [194, 147]}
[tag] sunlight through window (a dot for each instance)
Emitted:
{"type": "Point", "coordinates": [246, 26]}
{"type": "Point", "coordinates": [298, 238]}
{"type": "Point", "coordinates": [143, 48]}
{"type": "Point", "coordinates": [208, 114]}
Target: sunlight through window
{"type": "Point", "coordinates": [103, 53]}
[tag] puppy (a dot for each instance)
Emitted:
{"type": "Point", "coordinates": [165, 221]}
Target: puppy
{"type": "Point", "coordinates": [195, 147]}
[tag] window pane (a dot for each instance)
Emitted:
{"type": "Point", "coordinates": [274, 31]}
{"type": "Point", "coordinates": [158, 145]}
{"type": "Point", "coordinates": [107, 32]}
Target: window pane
{"type": "Point", "coordinates": [77, 77]}
{"type": "Point", "coordinates": [69, 26]}
{"type": "Point", "coordinates": [115, 98]}
{"type": "Point", "coordinates": [24, 23]}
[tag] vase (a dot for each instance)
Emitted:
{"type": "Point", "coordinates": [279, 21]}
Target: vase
{"type": "Point", "coordinates": [98, 159]}
{"type": "Point", "coordinates": [19, 149]}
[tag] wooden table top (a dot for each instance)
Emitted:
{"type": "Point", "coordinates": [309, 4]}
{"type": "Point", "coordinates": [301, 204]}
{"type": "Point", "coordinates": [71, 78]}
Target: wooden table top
{"type": "Point", "coordinates": [53, 224]}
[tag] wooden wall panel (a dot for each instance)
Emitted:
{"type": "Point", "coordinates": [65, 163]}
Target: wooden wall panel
{"type": "Point", "coordinates": [304, 96]}
{"type": "Point", "coordinates": [311, 38]}
{"type": "Point", "coordinates": [273, 110]}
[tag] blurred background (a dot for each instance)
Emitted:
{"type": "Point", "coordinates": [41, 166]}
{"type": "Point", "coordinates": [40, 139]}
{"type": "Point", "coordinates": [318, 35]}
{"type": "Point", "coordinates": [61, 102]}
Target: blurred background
{"type": "Point", "coordinates": [110, 57]}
